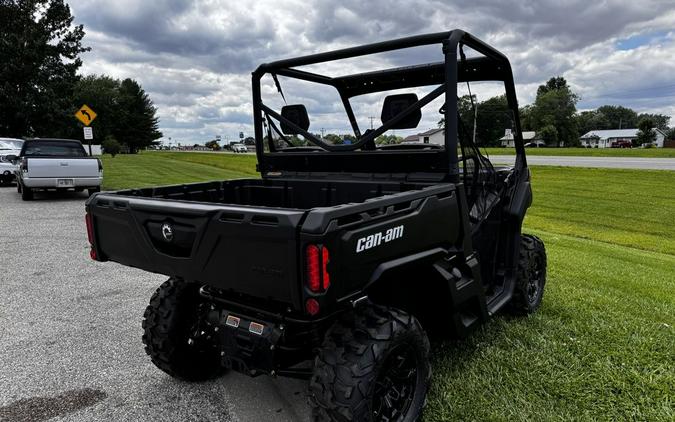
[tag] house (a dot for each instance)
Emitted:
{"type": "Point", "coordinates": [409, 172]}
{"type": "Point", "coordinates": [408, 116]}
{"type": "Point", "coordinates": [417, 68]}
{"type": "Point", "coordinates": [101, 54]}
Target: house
{"type": "Point", "coordinates": [432, 136]}
{"type": "Point", "coordinates": [605, 138]}
{"type": "Point", "coordinates": [528, 136]}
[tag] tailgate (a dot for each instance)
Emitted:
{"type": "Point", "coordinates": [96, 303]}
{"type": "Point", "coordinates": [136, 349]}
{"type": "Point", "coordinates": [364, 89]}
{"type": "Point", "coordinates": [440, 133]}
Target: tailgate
{"type": "Point", "coordinates": [242, 249]}
{"type": "Point", "coordinates": [62, 167]}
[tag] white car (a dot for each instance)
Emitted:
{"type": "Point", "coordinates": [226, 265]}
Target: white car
{"type": "Point", "coordinates": [9, 147]}
{"type": "Point", "coordinates": [237, 148]}
{"type": "Point", "coordinates": [57, 164]}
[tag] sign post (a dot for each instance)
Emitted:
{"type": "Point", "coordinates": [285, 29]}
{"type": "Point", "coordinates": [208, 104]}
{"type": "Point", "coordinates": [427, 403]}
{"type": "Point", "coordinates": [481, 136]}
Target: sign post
{"type": "Point", "coordinates": [86, 115]}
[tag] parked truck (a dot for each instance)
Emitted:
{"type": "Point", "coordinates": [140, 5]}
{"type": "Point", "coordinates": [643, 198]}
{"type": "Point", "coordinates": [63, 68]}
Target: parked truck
{"type": "Point", "coordinates": [56, 164]}
{"type": "Point", "coordinates": [344, 256]}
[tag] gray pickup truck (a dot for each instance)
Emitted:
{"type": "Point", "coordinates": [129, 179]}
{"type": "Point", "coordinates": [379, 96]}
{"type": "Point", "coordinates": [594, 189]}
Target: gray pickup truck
{"type": "Point", "coordinates": [59, 164]}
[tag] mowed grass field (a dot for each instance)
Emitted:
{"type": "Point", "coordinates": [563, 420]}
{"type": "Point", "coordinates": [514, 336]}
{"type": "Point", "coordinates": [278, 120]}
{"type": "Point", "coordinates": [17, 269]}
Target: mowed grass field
{"type": "Point", "coordinates": [602, 347]}
{"type": "Point", "coordinates": [590, 152]}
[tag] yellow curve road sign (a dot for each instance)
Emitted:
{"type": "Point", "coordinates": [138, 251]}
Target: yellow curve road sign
{"type": "Point", "coordinates": [85, 115]}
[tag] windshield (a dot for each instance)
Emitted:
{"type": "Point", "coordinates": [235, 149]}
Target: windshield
{"type": "Point", "coordinates": [54, 149]}
{"type": "Point", "coordinates": [10, 144]}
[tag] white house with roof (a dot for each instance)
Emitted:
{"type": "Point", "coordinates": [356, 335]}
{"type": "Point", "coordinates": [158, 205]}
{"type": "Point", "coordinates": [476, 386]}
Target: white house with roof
{"type": "Point", "coordinates": [432, 136]}
{"type": "Point", "coordinates": [508, 141]}
{"type": "Point", "coordinates": [605, 138]}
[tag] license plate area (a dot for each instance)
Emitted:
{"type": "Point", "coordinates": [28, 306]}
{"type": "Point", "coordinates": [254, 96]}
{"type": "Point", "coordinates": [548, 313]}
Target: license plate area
{"type": "Point", "coordinates": [64, 183]}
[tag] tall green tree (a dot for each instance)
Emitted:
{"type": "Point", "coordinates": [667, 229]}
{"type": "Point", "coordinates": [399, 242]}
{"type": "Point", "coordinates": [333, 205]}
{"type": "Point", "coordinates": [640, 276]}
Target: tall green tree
{"type": "Point", "coordinates": [39, 59]}
{"type": "Point", "coordinates": [125, 111]}
{"type": "Point", "coordinates": [591, 120]}
{"type": "Point", "coordinates": [646, 133]}
{"type": "Point", "coordinates": [660, 120]}
{"type": "Point", "coordinates": [555, 106]}
{"type": "Point", "coordinates": [138, 125]}
{"type": "Point", "coordinates": [619, 117]}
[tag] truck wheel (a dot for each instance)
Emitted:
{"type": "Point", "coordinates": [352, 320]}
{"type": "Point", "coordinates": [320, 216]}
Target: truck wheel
{"type": "Point", "coordinates": [372, 367]}
{"type": "Point", "coordinates": [174, 335]}
{"type": "Point", "coordinates": [26, 193]}
{"type": "Point", "coordinates": [531, 276]}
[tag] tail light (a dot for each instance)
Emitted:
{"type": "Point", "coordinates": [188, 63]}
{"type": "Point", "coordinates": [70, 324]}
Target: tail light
{"type": "Point", "coordinates": [100, 165]}
{"type": "Point", "coordinates": [318, 278]}
{"type": "Point", "coordinates": [24, 164]}
{"type": "Point", "coordinates": [90, 236]}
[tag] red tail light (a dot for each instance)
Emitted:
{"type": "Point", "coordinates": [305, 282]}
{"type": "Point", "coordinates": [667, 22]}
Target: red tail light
{"type": "Point", "coordinates": [90, 235]}
{"type": "Point", "coordinates": [318, 279]}
{"type": "Point", "coordinates": [325, 258]}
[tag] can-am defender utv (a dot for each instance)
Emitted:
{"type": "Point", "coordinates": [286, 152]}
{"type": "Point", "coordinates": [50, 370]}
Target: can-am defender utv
{"type": "Point", "coordinates": [343, 255]}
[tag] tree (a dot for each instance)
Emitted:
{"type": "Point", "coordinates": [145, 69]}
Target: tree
{"type": "Point", "coordinates": [549, 134]}
{"type": "Point", "coordinates": [493, 117]}
{"type": "Point", "coordinates": [555, 105]}
{"type": "Point", "coordinates": [646, 134]}
{"type": "Point", "coordinates": [556, 83]}
{"type": "Point", "coordinates": [137, 126]}
{"type": "Point", "coordinates": [39, 55]}
{"type": "Point", "coordinates": [333, 139]}
{"type": "Point", "coordinates": [111, 146]}
{"type": "Point", "coordinates": [591, 120]}
{"type": "Point", "coordinates": [670, 134]}
{"type": "Point", "coordinates": [124, 111]}
{"type": "Point", "coordinates": [660, 120]}
{"type": "Point", "coordinates": [619, 117]}
{"type": "Point", "coordinates": [388, 140]}
{"type": "Point", "coordinates": [101, 93]}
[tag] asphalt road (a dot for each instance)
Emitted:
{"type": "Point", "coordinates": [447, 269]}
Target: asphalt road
{"type": "Point", "coordinates": [607, 162]}
{"type": "Point", "coordinates": [70, 334]}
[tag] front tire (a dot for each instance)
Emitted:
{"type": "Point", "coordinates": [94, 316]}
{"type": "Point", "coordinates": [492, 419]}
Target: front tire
{"type": "Point", "coordinates": [373, 366]}
{"type": "Point", "coordinates": [531, 276]}
{"type": "Point", "coordinates": [175, 337]}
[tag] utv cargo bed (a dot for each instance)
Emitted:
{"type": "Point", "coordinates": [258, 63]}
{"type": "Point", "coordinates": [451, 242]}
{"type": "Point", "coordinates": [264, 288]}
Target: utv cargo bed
{"type": "Point", "coordinates": [244, 235]}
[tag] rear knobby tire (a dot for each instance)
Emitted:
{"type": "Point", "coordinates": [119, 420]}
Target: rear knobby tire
{"type": "Point", "coordinates": [362, 358]}
{"type": "Point", "coordinates": [531, 276]}
{"type": "Point", "coordinates": [172, 333]}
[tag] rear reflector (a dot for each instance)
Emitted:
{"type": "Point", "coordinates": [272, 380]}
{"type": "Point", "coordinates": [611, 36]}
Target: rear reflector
{"type": "Point", "coordinates": [312, 306]}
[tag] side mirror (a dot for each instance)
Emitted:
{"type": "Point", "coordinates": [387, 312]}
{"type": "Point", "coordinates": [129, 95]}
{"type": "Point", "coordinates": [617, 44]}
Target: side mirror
{"type": "Point", "coordinates": [11, 158]}
{"type": "Point", "coordinates": [395, 105]}
{"type": "Point", "coordinates": [297, 114]}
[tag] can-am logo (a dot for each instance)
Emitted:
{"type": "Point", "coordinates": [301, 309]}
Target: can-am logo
{"type": "Point", "coordinates": [376, 239]}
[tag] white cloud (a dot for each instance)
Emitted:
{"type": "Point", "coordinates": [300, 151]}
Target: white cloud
{"type": "Point", "coordinates": [195, 58]}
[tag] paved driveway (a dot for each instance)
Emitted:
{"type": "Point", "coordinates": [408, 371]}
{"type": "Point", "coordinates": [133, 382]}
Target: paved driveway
{"type": "Point", "coordinates": [608, 162]}
{"type": "Point", "coordinates": [70, 334]}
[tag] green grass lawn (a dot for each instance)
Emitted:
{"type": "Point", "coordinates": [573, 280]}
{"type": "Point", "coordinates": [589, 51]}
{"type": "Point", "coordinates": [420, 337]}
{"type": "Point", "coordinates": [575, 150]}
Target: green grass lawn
{"type": "Point", "coordinates": [590, 152]}
{"type": "Point", "coordinates": [166, 168]}
{"type": "Point", "coordinates": [602, 347]}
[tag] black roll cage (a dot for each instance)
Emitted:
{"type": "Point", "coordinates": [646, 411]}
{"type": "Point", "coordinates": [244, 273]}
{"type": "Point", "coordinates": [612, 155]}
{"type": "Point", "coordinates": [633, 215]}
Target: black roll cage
{"type": "Point", "coordinates": [492, 66]}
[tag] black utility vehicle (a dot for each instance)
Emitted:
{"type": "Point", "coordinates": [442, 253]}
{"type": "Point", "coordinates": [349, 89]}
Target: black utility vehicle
{"type": "Point", "coordinates": [343, 255]}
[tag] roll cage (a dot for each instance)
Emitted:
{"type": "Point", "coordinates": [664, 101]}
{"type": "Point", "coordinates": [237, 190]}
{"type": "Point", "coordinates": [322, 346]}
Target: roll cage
{"type": "Point", "coordinates": [491, 66]}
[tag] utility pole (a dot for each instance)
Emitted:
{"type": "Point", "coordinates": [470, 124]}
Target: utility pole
{"type": "Point", "coordinates": [322, 132]}
{"type": "Point", "coordinates": [371, 121]}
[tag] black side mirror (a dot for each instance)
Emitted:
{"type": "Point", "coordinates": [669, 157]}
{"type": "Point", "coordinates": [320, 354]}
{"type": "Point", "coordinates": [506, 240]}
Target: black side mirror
{"type": "Point", "coordinates": [395, 104]}
{"type": "Point", "coordinates": [297, 114]}
{"type": "Point", "coordinates": [11, 158]}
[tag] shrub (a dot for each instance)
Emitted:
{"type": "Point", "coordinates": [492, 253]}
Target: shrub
{"type": "Point", "coordinates": [111, 146]}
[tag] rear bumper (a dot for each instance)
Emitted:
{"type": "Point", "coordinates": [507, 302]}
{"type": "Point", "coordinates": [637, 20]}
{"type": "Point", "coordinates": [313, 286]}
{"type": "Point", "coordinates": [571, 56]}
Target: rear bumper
{"type": "Point", "coordinates": [52, 182]}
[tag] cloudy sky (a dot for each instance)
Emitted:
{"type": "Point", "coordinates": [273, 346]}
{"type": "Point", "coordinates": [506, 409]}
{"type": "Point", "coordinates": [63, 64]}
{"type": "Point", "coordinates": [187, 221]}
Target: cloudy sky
{"type": "Point", "coordinates": [195, 58]}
